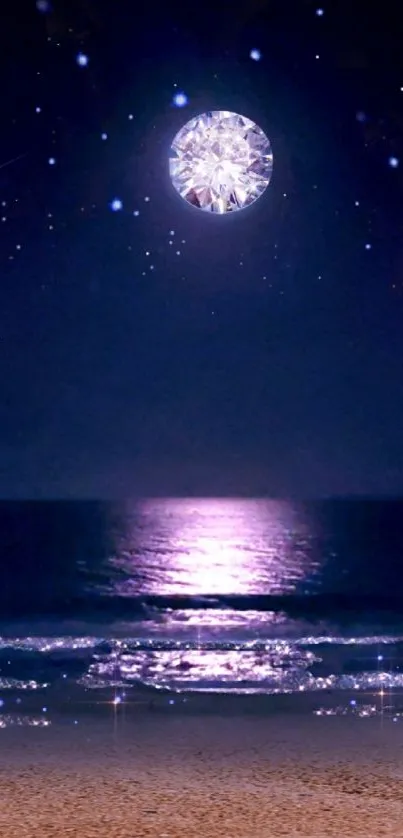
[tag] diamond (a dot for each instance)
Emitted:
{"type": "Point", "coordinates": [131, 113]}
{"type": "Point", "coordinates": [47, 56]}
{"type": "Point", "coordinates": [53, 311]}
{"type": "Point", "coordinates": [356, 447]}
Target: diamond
{"type": "Point", "coordinates": [220, 162]}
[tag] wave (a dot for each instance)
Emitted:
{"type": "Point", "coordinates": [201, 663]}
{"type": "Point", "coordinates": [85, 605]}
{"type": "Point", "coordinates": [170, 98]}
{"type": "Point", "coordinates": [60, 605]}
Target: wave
{"type": "Point", "coordinates": [35, 665]}
{"type": "Point", "coordinates": [109, 608]}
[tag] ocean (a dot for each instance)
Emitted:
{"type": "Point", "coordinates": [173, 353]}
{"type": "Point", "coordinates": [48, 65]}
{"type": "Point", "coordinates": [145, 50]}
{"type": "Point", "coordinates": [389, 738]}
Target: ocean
{"type": "Point", "coordinates": [202, 595]}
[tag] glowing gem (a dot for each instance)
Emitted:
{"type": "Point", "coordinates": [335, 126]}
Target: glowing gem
{"type": "Point", "coordinates": [220, 162]}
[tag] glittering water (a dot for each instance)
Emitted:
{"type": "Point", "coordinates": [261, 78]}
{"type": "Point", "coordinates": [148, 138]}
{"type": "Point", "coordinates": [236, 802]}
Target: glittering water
{"type": "Point", "coordinates": [312, 663]}
{"type": "Point", "coordinates": [201, 595]}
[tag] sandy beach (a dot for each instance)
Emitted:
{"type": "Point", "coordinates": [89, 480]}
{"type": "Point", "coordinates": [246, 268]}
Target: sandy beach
{"type": "Point", "coordinates": [186, 775]}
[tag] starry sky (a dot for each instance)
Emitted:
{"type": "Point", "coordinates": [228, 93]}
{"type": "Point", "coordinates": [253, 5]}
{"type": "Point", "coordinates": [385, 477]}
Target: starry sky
{"type": "Point", "coordinates": [147, 348]}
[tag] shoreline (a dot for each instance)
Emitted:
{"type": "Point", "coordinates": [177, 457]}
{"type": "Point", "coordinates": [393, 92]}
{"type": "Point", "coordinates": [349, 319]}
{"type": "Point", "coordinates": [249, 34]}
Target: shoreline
{"type": "Point", "coordinates": [68, 696]}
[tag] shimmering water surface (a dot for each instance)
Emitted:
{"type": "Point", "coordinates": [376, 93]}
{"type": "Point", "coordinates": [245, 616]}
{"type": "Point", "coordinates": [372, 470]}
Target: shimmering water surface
{"type": "Point", "coordinates": [250, 596]}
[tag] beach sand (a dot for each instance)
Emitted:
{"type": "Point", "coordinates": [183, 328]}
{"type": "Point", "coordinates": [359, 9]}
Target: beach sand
{"type": "Point", "coordinates": [143, 774]}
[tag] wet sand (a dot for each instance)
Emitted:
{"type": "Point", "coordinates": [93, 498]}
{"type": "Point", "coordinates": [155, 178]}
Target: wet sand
{"type": "Point", "coordinates": [143, 774]}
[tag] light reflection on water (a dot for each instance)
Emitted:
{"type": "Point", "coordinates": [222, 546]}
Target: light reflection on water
{"type": "Point", "coordinates": [308, 664]}
{"type": "Point", "coordinates": [223, 546]}
{"type": "Point", "coordinates": [15, 720]}
{"type": "Point", "coordinates": [280, 668]}
{"type": "Point", "coordinates": [206, 548]}
{"type": "Point", "coordinates": [222, 623]}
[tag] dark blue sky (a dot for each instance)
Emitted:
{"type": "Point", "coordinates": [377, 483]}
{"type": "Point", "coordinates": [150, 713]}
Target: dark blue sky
{"type": "Point", "coordinates": [262, 353]}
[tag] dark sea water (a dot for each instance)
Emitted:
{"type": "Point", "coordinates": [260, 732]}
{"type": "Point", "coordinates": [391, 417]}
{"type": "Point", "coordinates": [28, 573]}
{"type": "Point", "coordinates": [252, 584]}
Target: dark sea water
{"type": "Point", "coordinates": [238, 595]}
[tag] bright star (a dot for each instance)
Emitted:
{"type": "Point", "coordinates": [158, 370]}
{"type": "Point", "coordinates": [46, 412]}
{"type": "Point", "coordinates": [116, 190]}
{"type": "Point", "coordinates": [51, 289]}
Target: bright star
{"type": "Point", "coordinates": [82, 60]}
{"type": "Point", "coordinates": [180, 100]}
{"type": "Point", "coordinates": [255, 54]}
{"type": "Point", "coordinates": [116, 205]}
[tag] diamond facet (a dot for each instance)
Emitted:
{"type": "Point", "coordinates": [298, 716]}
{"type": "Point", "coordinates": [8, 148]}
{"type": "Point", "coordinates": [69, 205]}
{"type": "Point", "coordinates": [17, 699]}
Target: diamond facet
{"type": "Point", "coordinates": [220, 162]}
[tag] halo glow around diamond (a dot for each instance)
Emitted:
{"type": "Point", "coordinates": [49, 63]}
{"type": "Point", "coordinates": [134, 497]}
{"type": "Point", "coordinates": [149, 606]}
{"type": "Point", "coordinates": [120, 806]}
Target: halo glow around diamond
{"type": "Point", "coordinates": [220, 162]}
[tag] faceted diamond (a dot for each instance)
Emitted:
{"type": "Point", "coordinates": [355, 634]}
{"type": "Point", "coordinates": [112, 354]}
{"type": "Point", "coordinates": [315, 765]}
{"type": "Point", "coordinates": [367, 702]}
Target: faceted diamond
{"type": "Point", "coordinates": [220, 162]}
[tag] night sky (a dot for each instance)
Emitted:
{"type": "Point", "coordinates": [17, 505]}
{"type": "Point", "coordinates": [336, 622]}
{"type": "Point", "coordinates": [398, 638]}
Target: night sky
{"type": "Point", "coordinates": [159, 350]}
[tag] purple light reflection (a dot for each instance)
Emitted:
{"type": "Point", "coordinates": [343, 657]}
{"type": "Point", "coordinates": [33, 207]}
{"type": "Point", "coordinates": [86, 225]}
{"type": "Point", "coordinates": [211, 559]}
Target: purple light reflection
{"type": "Point", "coordinates": [212, 547]}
